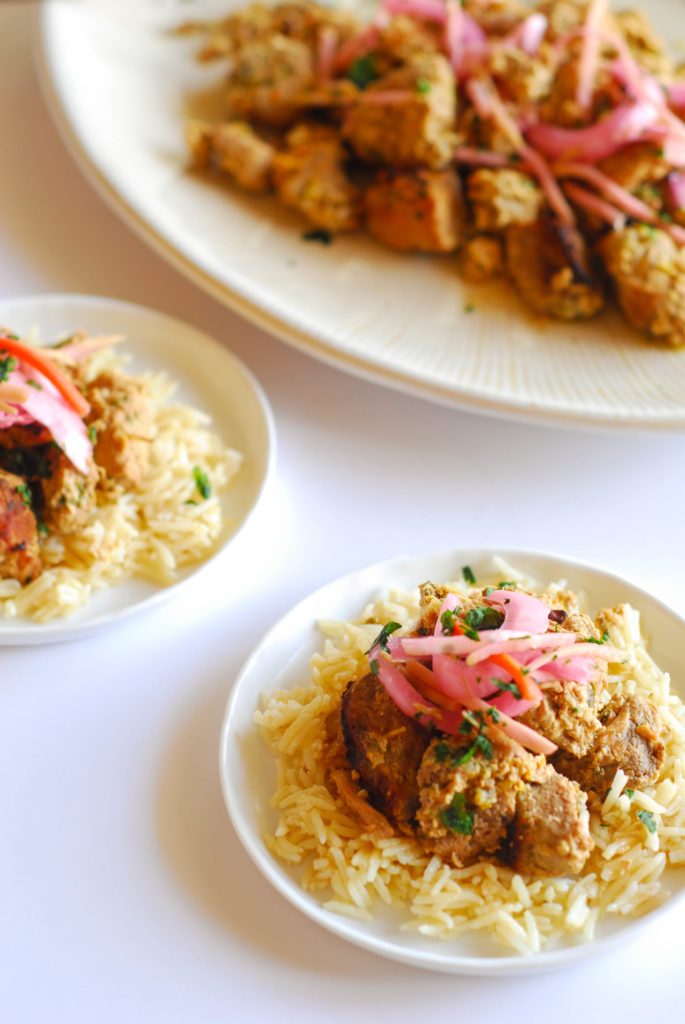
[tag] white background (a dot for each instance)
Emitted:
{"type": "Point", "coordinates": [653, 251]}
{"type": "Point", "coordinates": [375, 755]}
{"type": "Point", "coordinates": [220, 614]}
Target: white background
{"type": "Point", "coordinates": [124, 894]}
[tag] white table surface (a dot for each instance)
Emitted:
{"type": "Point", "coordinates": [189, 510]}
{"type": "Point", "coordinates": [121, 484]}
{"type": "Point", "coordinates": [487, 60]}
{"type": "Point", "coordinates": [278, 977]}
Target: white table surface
{"type": "Point", "coordinates": [124, 893]}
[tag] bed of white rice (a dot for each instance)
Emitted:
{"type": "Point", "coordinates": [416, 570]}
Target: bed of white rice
{"type": "Point", "coordinates": [354, 872]}
{"type": "Point", "coordinates": [149, 530]}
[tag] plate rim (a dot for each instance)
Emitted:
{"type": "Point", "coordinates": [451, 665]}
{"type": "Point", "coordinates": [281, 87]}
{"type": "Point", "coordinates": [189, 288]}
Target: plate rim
{"type": "Point", "coordinates": [63, 630]}
{"type": "Point", "coordinates": [453, 397]}
{"type": "Point", "coordinates": [266, 863]}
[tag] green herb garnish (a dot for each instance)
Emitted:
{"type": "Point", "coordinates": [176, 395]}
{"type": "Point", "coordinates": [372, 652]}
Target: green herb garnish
{"type": "Point", "coordinates": [202, 482]}
{"type": "Point", "coordinates": [470, 307]}
{"type": "Point", "coordinates": [7, 364]}
{"type": "Point", "coordinates": [25, 494]}
{"type": "Point", "coordinates": [629, 793]}
{"type": "Point", "coordinates": [363, 71]}
{"type": "Point", "coordinates": [318, 235]}
{"type": "Point", "coordinates": [447, 621]}
{"type": "Point", "coordinates": [483, 617]}
{"type": "Point", "coordinates": [374, 666]}
{"type": "Point", "coordinates": [34, 384]}
{"type": "Point", "coordinates": [92, 434]}
{"type": "Point", "coordinates": [602, 640]}
{"type": "Point", "coordinates": [423, 86]}
{"type": "Point", "coordinates": [509, 687]}
{"type": "Point", "coordinates": [456, 817]}
{"type": "Point", "coordinates": [648, 820]}
{"type": "Point", "coordinates": [382, 638]}
{"type": "Point", "coordinates": [468, 574]}
{"type": "Point", "coordinates": [503, 584]}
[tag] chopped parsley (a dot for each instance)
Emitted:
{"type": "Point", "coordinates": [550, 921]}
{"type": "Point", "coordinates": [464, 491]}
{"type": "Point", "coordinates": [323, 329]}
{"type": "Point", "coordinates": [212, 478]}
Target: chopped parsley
{"type": "Point", "coordinates": [34, 384]}
{"type": "Point", "coordinates": [423, 86]}
{"type": "Point", "coordinates": [382, 638]}
{"type": "Point", "coordinates": [648, 820]}
{"type": "Point", "coordinates": [363, 71]}
{"type": "Point", "coordinates": [509, 687]}
{"type": "Point", "coordinates": [483, 617]}
{"type": "Point", "coordinates": [25, 494]}
{"type": "Point", "coordinates": [374, 666]}
{"type": "Point", "coordinates": [503, 584]}
{"type": "Point", "coordinates": [468, 574]}
{"type": "Point", "coordinates": [318, 235]}
{"type": "Point", "coordinates": [602, 640]}
{"type": "Point", "coordinates": [7, 364]}
{"type": "Point", "coordinates": [447, 621]}
{"type": "Point", "coordinates": [202, 482]}
{"type": "Point", "coordinates": [470, 307]}
{"type": "Point", "coordinates": [629, 793]}
{"type": "Point", "coordinates": [92, 434]}
{"type": "Point", "coordinates": [457, 817]}
{"type": "Point", "coordinates": [42, 528]}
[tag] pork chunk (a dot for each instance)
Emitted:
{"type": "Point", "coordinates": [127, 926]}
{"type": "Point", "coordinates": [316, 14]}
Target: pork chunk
{"type": "Point", "coordinates": [647, 48]}
{"type": "Point", "coordinates": [551, 828]}
{"type": "Point", "coordinates": [235, 149]}
{"type": "Point", "coordinates": [385, 748]}
{"type": "Point", "coordinates": [631, 738]}
{"type": "Point", "coordinates": [19, 551]}
{"type": "Point", "coordinates": [267, 78]}
{"type": "Point", "coordinates": [121, 420]}
{"type": "Point", "coordinates": [467, 803]}
{"type": "Point", "coordinates": [502, 197]}
{"type": "Point", "coordinates": [648, 272]}
{"type": "Point", "coordinates": [68, 496]}
{"type": "Point", "coordinates": [551, 272]}
{"type": "Point", "coordinates": [416, 132]}
{"type": "Point", "coordinates": [482, 259]}
{"type": "Point", "coordinates": [635, 165]}
{"type": "Point", "coordinates": [309, 177]}
{"type": "Point", "coordinates": [420, 212]}
{"type": "Point", "coordinates": [566, 717]}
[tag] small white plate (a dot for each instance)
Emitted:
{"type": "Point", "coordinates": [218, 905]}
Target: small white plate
{"type": "Point", "coordinates": [210, 378]}
{"type": "Point", "coordinates": [281, 660]}
{"type": "Point", "coordinates": [408, 322]}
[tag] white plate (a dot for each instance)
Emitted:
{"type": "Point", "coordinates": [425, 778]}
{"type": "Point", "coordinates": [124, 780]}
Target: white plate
{"type": "Point", "coordinates": [209, 377]}
{"type": "Point", "coordinates": [119, 87]}
{"type": "Point", "coordinates": [281, 660]}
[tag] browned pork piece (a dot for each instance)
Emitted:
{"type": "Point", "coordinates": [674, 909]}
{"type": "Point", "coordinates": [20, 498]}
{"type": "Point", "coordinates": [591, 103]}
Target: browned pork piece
{"type": "Point", "coordinates": [121, 422]}
{"type": "Point", "coordinates": [502, 197]}
{"type": "Point", "coordinates": [302, 21]}
{"type": "Point", "coordinates": [267, 78]}
{"type": "Point", "coordinates": [309, 177]}
{"type": "Point", "coordinates": [648, 272]}
{"type": "Point", "coordinates": [523, 78]}
{"type": "Point", "coordinates": [497, 16]}
{"type": "Point", "coordinates": [68, 496]}
{"type": "Point", "coordinates": [468, 796]}
{"type": "Point", "coordinates": [482, 259]}
{"type": "Point", "coordinates": [548, 264]}
{"type": "Point", "coordinates": [414, 131]}
{"type": "Point", "coordinates": [422, 212]}
{"type": "Point", "coordinates": [385, 748]}
{"type": "Point", "coordinates": [25, 435]}
{"type": "Point", "coordinates": [647, 48]}
{"type": "Point", "coordinates": [235, 149]}
{"type": "Point", "coordinates": [403, 39]}
{"type": "Point", "coordinates": [630, 738]}
{"type": "Point", "coordinates": [19, 552]}
{"type": "Point", "coordinates": [635, 165]}
{"type": "Point", "coordinates": [552, 828]}
{"type": "Point", "coordinates": [566, 716]}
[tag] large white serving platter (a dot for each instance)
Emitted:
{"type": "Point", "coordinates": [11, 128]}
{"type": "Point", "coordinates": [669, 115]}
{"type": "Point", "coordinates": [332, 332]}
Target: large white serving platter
{"type": "Point", "coordinates": [209, 378]}
{"type": "Point", "coordinates": [281, 660]}
{"type": "Point", "coordinates": [120, 87]}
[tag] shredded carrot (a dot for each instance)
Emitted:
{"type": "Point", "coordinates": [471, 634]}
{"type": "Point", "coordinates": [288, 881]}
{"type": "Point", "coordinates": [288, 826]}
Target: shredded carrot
{"type": "Point", "coordinates": [425, 679]}
{"type": "Point", "coordinates": [41, 362]}
{"type": "Point", "coordinates": [528, 688]}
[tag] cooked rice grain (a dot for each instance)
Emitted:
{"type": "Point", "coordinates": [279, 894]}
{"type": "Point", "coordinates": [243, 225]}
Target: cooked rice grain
{"type": "Point", "coordinates": [354, 871]}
